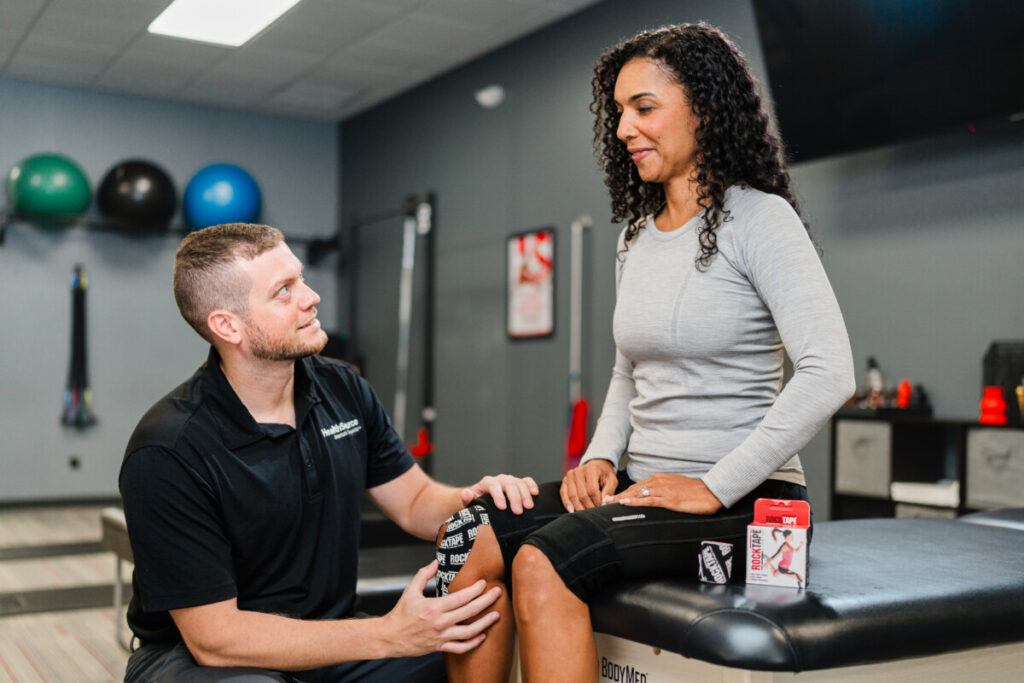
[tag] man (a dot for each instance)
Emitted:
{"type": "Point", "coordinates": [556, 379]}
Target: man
{"type": "Point", "coordinates": [243, 489]}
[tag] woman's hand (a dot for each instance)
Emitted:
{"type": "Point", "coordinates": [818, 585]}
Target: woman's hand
{"type": "Point", "coordinates": [588, 485]}
{"type": "Point", "coordinates": [670, 491]}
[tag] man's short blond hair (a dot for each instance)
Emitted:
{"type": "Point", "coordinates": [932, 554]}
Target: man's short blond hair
{"type": "Point", "coordinates": [205, 276]}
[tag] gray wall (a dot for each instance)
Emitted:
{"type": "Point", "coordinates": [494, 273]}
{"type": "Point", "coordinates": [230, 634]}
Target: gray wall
{"type": "Point", "coordinates": [139, 348]}
{"type": "Point", "coordinates": [922, 241]}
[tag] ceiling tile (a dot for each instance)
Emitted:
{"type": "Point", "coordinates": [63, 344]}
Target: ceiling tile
{"type": "Point", "coordinates": [537, 17]}
{"type": "Point", "coordinates": [216, 79]}
{"type": "Point", "coordinates": [307, 94]}
{"type": "Point", "coordinates": [574, 5]}
{"type": "Point", "coordinates": [164, 87]}
{"type": "Point", "coordinates": [374, 55]}
{"type": "Point", "coordinates": [300, 40]}
{"type": "Point", "coordinates": [214, 98]}
{"type": "Point", "coordinates": [545, 3]}
{"type": "Point", "coordinates": [171, 74]}
{"type": "Point", "coordinates": [350, 75]}
{"type": "Point", "coordinates": [342, 21]}
{"type": "Point", "coordinates": [364, 101]}
{"type": "Point", "coordinates": [262, 64]}
{"type": "Point", "coordinates": [425, 35]}
{"type": "Point", "coordinates": [15, 18]}
{"type": "Point", "coordinates": [77, 57]}
{"type": "Point", "coordinates": [483, 14]}
{"type": "Point", "coordinates": [389, 6]}
{"type": "Point", "coordinates": [151, 84]}
{"type": "Point", "coordinates": [63, 73]}
{"type": "Point", "coordinates": [185, 52]}
{"type": "Point", "coordinates": [371, 99]}
{"type": "Point", "coordinates": [323, 59]}
{"type": "Point", "coordinates": [112, 10]}
{"type": "Point", "coordinates": [85, 32]}
{"type": "Point", "coordinates": [226, 92]}
{"type": "Point", "coordinates": [100, 21]}
{"type": "Point", "coordinates": [8, 41]}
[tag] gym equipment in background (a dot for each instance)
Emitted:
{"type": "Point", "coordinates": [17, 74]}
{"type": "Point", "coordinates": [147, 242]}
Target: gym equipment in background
{"type": "Point", "coordinates": [137, 196]}
{"type": "Point", "coordinates": [221, 193]}
{"type": "Point", "coordinates": [416, 222]}
{"type": "Point", "coordinates": [78, 395]}
{"type": "Point", "coordinates": [576, 443]}
{"type": "Point", "coordinates": [49, 188]}
{"type": "Point", "coordinates": [419, 220]}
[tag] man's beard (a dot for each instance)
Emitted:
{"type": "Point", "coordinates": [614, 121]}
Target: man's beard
{"type": "Point", "coordinates": [263, 347]}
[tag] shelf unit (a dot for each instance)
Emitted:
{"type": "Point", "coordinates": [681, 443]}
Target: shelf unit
{"type": "Point", "coordinates": [870, 450]}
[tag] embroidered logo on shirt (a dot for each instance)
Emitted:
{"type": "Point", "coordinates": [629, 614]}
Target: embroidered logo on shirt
{"type": "Point", "coordinates": [341, 429]}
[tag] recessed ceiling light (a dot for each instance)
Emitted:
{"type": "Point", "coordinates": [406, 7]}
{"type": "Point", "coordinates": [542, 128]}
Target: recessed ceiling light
{"type": "Point", "coordinates": [224, 22]}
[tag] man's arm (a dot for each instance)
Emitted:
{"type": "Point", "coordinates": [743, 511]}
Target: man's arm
{"type": "Point", "coordinates": [220, 634]}
{"type": "Point", "coordinates": [420, 505]}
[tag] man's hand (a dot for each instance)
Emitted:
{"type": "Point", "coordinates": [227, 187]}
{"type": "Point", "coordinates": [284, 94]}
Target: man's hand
{"type": "Point", "coordinates": [588, 485]}
{"type": "Point", "coordinates": [518, 492]}
{"type": "Point", "coordinates": [418, 625]}
{"type": "Point", "coordinates": [672, 492]}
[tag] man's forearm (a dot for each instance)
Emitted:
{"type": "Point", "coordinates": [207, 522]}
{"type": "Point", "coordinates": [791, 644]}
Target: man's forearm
{"type": "Point", "coordinates": [420, 505]}
{"type": "Point", "coordinates": [219, 634]}
{"type": "Point", "coordinates": [269, 641]}
{"type": "Point", "coordinates": [431, 507]}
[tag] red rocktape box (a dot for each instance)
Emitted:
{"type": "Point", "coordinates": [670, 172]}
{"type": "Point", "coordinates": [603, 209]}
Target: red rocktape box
{"type": "Point", "coordinates": [777, 543]}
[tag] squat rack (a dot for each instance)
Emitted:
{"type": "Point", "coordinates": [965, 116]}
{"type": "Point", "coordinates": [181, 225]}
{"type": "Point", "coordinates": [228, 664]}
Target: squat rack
{"type": "Point", "coordinates": [419, 220]}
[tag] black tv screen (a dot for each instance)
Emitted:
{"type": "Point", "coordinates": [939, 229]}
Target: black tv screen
{"type": "Point", "coordinates": [848, 75]}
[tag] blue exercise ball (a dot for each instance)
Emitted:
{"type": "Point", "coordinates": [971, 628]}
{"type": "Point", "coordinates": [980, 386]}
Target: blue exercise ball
{"type": "Point", "coordinates": [221, 193]}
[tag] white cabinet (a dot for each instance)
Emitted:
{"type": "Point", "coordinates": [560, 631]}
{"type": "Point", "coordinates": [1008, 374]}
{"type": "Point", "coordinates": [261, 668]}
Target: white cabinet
{"type": "Point", "coordinates": [863, 457]}
{"type": "Point", "coordinates": [995, 468]}
{"type": "Point", "coordinates": [949, 466]}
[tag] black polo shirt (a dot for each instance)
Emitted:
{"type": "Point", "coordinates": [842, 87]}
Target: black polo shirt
{"type": "Point", "coordinates": [220, 506]}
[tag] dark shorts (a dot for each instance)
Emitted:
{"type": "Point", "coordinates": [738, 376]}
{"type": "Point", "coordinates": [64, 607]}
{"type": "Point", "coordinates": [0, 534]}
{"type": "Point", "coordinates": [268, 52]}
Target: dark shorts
{"type": "Point", "coordinates": [172, 662]}
{"type": "Point", "coordinates": [591, 548]}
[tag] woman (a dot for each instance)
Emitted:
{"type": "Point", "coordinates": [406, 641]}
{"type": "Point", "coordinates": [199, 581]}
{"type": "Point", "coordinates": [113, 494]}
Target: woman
{"type": "Point", "coordinates": [716, 274]}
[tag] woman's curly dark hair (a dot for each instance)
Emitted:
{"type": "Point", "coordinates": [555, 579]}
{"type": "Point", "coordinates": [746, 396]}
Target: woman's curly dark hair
{"type": "Point", "coordinates": [733, 140]}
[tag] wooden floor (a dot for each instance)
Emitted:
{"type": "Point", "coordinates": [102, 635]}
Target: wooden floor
{"type": "Point", "coordinates": [59, 645]}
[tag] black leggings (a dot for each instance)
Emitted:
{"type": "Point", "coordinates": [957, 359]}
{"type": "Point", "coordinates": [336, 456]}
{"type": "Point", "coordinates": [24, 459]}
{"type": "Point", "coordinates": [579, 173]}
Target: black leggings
{"type": "Point", "coordinates": [593, 547]}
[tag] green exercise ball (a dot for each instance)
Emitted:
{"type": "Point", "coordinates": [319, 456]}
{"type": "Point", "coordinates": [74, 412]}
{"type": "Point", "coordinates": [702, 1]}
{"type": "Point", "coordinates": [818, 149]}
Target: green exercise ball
{"type": "Point", "coordinates": [48, 184]}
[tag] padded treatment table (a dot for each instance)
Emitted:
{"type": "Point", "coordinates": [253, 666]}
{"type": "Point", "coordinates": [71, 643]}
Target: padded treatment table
{"type": "Point", "coordinates": [1011, 518]}
{"type": "Point", "coordinates": [887, 599]}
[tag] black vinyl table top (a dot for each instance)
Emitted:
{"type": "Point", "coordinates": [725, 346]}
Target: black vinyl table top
{"type": "Point", "coordinates": [878, 590]}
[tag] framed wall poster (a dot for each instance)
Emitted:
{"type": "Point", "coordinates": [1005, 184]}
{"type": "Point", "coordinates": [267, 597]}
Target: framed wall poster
{"type": "Point", "coordinates": [531, 283]}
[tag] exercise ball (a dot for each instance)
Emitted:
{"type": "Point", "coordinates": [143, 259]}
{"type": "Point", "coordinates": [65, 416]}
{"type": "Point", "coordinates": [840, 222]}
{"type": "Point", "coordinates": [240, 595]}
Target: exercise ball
{"type": "Point", "coordinates": [137, 195]}
{"type": "Point", "coordinates": [48, 184]}
{"type": "Point", "coordinates": [221, 193]}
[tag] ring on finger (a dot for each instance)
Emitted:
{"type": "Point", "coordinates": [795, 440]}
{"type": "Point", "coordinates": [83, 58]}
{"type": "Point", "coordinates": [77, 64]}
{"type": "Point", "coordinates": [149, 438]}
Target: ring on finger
{"type": "Point", "coordinates": [644, 492]}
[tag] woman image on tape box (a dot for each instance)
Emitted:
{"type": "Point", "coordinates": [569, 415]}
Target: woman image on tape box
{"type": "Point", "coordinates": [717, 277]}
{"type": "Point", "coordinates": [786, 549]}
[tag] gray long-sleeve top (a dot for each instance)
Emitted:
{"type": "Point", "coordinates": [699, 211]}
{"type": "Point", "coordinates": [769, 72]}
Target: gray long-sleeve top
{"type": "Point", "coordinates": [696, 385]}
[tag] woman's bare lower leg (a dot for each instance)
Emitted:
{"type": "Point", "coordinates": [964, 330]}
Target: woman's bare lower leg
{"type": "Point", "coordinates": [492, 660]}
{"type": "Point", "coordinates": [554, 625]}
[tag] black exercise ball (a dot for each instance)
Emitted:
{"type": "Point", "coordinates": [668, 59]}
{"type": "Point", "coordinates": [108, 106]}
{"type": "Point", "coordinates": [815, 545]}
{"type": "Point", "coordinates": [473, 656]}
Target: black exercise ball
{"type": "Point", "coordinates": [137, 195]}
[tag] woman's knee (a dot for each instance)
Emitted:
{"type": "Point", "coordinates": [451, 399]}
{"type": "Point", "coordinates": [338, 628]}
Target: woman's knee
{"type": "Point", "coordinates": [467, 550]}
{"type": "Point", "coordinates": [535, 583]}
